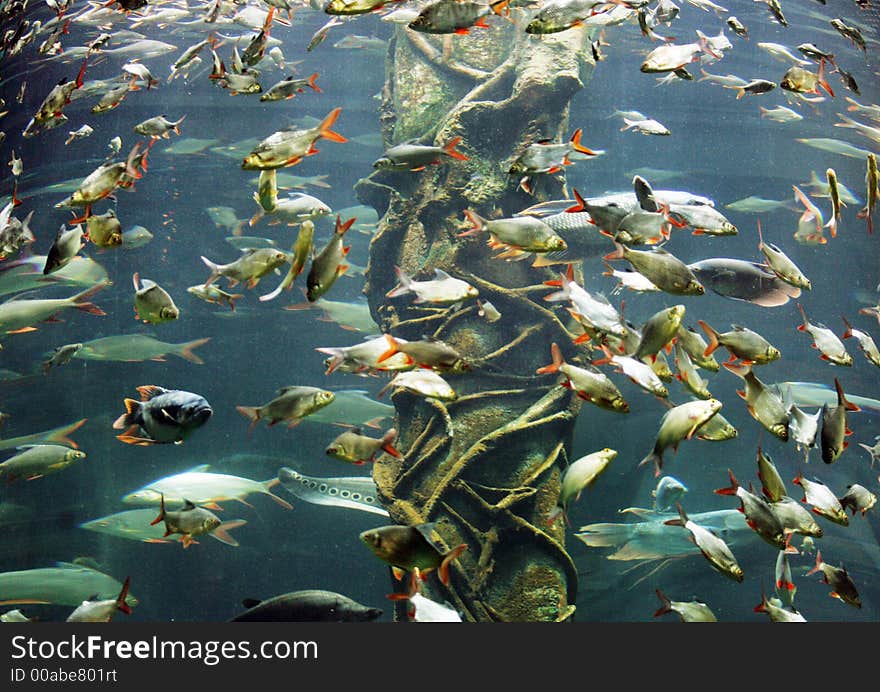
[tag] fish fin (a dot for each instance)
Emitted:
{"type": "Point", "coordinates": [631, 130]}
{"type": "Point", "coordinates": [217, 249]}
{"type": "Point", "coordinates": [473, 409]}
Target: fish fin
{"type": "Point", "coordinates": [449, 557]}
{"type": "Point", "coordinates": [148, 391]}
{"type": "Point", "coordinates": [577, 146]}
{"type": "Point", "coordinates": [392, 349]}
{"type": "Point", "coordinates": [221, 533]}
{"type": "Point", "coordinates": [271, 483]}
{"type": "Point", "coordinates": [398, 573]}
{"type": "Point", "coordinates": [325, 125]}
{"type": "Point", "coordinates": [252, 413]}
{"type": "Point", "coordinates": [128, 418]}
{"type": "Point", "coordinates": [186, 349]}
{"type": "Point", "coordinates": [557, 361]}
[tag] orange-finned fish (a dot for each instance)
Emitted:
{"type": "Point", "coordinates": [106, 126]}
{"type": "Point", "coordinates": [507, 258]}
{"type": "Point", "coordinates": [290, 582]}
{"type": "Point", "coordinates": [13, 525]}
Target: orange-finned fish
{"type": "Point", "coordinates": [826, 341]}
{"type": "Point", "coordinates": [289, 146]}
{"type": "Point", "coordinates": [195, 521]}
{"type": "Point", "coordinates": [589, 385]}
{"type": "Point", "coordinates": [713, 548]}
{"type": "Point", "coordinates": [839, 580]}
{"type": "Point", "coordinates": [329, 264]}
{"type": "Point", "coordinates": [411, 156]}
{"type": "Point", "coordinates": [757, 512]}
{"type": "Point", "coordinates": [834, 426]}
{"type": "Point", "coordinates": [872, 183]}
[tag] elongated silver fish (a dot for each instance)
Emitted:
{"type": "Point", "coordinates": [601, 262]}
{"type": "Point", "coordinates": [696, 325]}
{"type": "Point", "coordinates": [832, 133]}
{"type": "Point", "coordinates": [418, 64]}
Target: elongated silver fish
{"type": "Point", "coordinates": [351, 492]}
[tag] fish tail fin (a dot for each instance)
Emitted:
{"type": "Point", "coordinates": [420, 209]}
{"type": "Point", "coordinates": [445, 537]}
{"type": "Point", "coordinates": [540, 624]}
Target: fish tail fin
{"type": "Point", "coordinates": [252, 413]}
{"type": "Point", "coordinates": [501, 8]}
{"type": "Point", "coordinates": [848, 333]}
{"type": "Point", "coordinates": [654, 458]}
{"type": "Point", "coordinates": [806, 323]}
{"type": "Point", "coordinates": [343, 226]}
{"type": "Point", "coordinates": [478, 223]}
{"type": "Point", "coordinates": [841, 398]}
{"type": "Point", "coordinates": [337, 358]}
{"type": "Point", "coordinates": [81, 300]}
{"type": "Point", "coordinates": [231, 300]}
{"type": "Point", "coordinates": [61, 435]}
{"type": "Point", "coordinates": [121, 605]}
{"type": "Point", "coordinates": [130, 167]}
{"type": "Point", "coordinates": [450, 150]}
{"type": "Point", "coordinates": [388, 443]}
{"type": "Point", "coordinates": [682, 517]}
{"type": "Point", "coordinates": [666, 604]}
{"type": "Point", "coordinates": [734, 485]}
{"type": "Point", "coordinates": [821, 78]}
{"type": "Point", "coordinates": [738, 369]}
{"type": "Point", "coordinates": [392, 349]}
{"type": "Point", "coordinates": [271, 483]}
{"type": "Point", "coordinates": [832, 226]}
{"type": "Point", "coordinates": [713, 338]}
{"type": "Point", "coordinates": [130, 417]}
{"type": "Point", "coordinates": [324, 128]}
{"type": "Point", "coordinates": [176, 127]}
{"type": "Point", "coordinates": [449, 557]}
{"type": "Point", "coordinates": [617, 254]}
{"type": "Point", "coordinates": [312, 82]}
{"type": "Point", "coordinates": [557, 361]}
{"type": "Point", "coordinates": [818, 565]}
{"type": "Point", "coordinates": [257, 216]}
{"type": "Point", "coordinates": [404, 284]}
{"type": "Point", "coordinates": [186, 349]}
{"type": "Point", "coordinates": [577, 146]}
{"type": "Point", "coordinates": [161, 511]}
{"type": "Point", "coordinates": [215, 270]}
{"type": "Point", "coordinates": [221, 533]}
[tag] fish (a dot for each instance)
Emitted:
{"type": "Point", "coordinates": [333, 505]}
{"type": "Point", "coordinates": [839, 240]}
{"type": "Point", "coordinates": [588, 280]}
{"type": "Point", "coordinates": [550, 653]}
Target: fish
{"type": "Point", "coordinates": [594, 312]}
{"type": "Point", "coordinates": [38, 460]}
{"type": "Point", "coordinates": [133, 525]}
{"type": "Point", "coordinates": [758, 513]}
{"type": "Point", "coordinates": [546, 157]}
{"type": "Point", "coordinates": [213, 294]}
{"type": "Point", "coordinates": [59, 435]}
{"type": "Point", "coordinates": [250, 267]}
{"type": "Point", "coordinates": [112, 98]}
{"type": "Point", "coordinates": [560, 15]}
{"type": "Point", "coordinates": [15, 615]}
{"type": "Point", "coordinates": [289, 87]}
{"type": "Point", "coordinates": [659, 330]}
{"type": "Point", "coordinates": [354, 7]}
{"type": "Point", "coordinates": [411, 549]}
{"type": "Point", "coordinates": [776, 609]}
{"type": "Point", "coordinates": [426, 353]}
{"type": "Point", "coordinates": [190, 146]}
{"type": "Point", "coordinates": [138, 347]}
{"type": "Point", "coordinates": [589, 385]}
{"type": "Point", "coordinates": [102, 610]}
{"type": "Point", "coordinates": [577, 477]}
{"type": "Point", "coordinates": [152, 304]}
{"type": "Point", "coordinates": [329, 264]}
{"type": "Point", "coordinates": [62, 355]}
{"type": "Point", "coordinates": [872, 184]}
{"type": "Point", "coordinates": [454, 16]}
{"type": "Point", "coordinates": [781, 264]}
{"type": "Point", "coordinates": [18, 315]}
{"type": "Point", "coordinates": [350, 492]}
{"type": "Point", "coordinates": [695, 346]}
{"type": "Point", "coordinates": [795, 518]}
{"type": "Point", "coordinates": [662, 268]}
{"type": "Point", "coordinates": [688, 374]}
{"type": "Point", "coordinates": [835, 146]}
{"type": "Point", "coordinates": [159, 126]}
{"type": "Point", "coordinates": [302, 250]}
{"type": "Point", "coordinates": [778, 114]}
{"type": "Point", "coordinates": [687, 611]}
{"type": "Point", "coordinates": [713, 548]}
{"type": "Point", "coordinates": [105, 230]}
{"type": "Point", "coordinates": [668, 492]}
{"type": "Point", "coordinates": [858, 499]}
{"type": "Point", "coordinates": [834, 426]}
{"type": "Point", "coordinates": [819, 188]}
{"type": "Point", "coordinates": [364, 357]}
{"type": "Point", "coordinates": [866, 342]}
{"type": "Point", "coordinates": [816, 394]}
{"type": "Point", "coordinates": [680, 423]}
{"type": "Point", "coordinates": [762, 402]}
{"type": "Point", "coordinates": [839, 580]}
{"type": "Point", "coordinates": [311, 605]}
{"type": "Point", "coordinates": [851, 32]}
{"type": "Point", "coordinates": [742, 343]}
{"type": "Point", "coordinates": [637, 371]}
{"type": "Point", "coordinates": [772, 485]}
{"type": "Point", "coordinates": [826, 341]}
{"type": "Point", "coordinates": [162, 416]}
{"type": "Point", "coordinates": [824, 502]}
{"type": "Point", "coordinates": [64, 584]}
{"type": "Point", "coordinates": [442, 289]}
{"type": "Point", "coordinates": [68, 242]}
{"type": "Point", "coordinates": [193, 521]}
{"type": "Point", "coordinates": [412, 156]}
{"type": "Point", "coordinates": [421, 382]}
{"type": "Point", "coordinates": [135, 237]}
{"type": "Point", "coordinates": [356, 448]}
{"type": "Point", "coordinates": [291, 405]}
{"type": "Point", "coordinates": [669, 57]}
{"type": "Point", "coordinates": [781, 52]}
{"type": "Point", "coordinates": [737, 27]}
{"type": "Point", "coordinates": [204, 488]}
{"type": "Point", "coordinates": [289, 146]}
{"type": "Point", "coordinates": [648, 126]}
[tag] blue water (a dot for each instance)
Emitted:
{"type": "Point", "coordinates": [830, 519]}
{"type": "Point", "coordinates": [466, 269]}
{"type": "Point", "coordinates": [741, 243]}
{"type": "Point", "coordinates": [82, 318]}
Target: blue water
{"type": "Point", "coordinates": [719, 145]}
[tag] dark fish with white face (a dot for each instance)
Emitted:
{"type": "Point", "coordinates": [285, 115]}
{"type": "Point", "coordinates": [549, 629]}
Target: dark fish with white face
{"type": "Point", "coordinates": [162, 416]}
{"type": "Point", "coordinates": [311, 605]}
{"type": "Point", "coordinates": [834, 427]}
{"type": "Point", "coordinates": [839, 580]}
{"type": "Point", "coordinates": [744, 280]}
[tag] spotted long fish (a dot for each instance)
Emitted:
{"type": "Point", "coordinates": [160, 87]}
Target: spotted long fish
{"type": "Point", "coordinates": [353, 492]}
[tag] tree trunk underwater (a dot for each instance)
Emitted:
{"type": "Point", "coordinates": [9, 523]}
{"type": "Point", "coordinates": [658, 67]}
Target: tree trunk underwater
{"type": "Point", "coordinates": [486, 467]}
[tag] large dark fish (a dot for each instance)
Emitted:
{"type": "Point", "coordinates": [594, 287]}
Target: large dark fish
{"type": "Point", "coordinates": [743, 280]}
{"type": "Point", "coordinates": [311, 605]}
{"type": "Point", "coordinates": [162, 415]}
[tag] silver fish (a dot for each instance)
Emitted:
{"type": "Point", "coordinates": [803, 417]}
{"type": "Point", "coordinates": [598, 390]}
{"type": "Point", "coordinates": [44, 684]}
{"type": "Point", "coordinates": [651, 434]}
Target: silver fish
{"type": "Point", "coordinates": [351, 492]}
